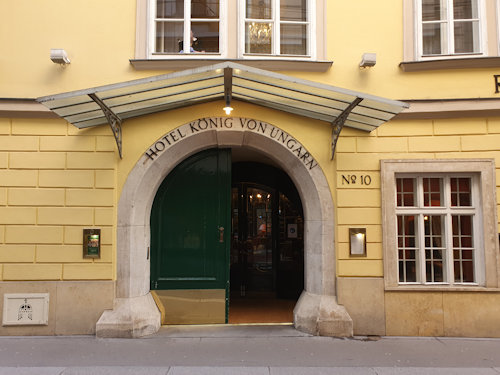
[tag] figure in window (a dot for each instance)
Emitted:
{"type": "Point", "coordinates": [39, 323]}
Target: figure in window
{"type": "Point", "coordinates": [192, 45]}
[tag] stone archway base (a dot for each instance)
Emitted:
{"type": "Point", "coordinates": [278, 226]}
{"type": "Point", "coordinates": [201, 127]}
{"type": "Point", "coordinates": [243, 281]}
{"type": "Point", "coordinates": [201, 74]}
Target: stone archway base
{"type": "Point", "coordinates": [315, 314]}
{"type": "Point", "coordinates": [135, 313]}
{"type": "Point", "coordinates": [320, 315]}
{"type": "Point", "coordinates": [130, 318]}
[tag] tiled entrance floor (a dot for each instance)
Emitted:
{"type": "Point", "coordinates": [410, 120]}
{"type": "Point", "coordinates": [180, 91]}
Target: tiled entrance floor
{"type": "Point", "coordinates": [261, 310]}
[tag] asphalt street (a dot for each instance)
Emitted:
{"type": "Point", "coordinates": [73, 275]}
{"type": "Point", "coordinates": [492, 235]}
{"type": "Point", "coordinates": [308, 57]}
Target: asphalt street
{"type": "Point", "coordinates": [269, 350]}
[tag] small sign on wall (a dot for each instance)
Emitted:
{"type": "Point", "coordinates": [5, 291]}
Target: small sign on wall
{"type": "Point", "coordinates": [92, 243]}
{"type": "Point", "coordinates": [25, 309]}
{"type": "Point", "coordinates": [292, 230]}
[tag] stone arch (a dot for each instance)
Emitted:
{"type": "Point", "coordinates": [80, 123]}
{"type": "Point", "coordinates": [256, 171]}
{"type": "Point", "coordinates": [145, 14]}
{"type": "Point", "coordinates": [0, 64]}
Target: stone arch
{"type": "Point", "coordinates": [135, 313]}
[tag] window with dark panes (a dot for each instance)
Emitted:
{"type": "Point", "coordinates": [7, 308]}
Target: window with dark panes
{"type": "Point", "coordinates": [436, 218]}
{"type": "Point", "coordinates": [288, 29]}
{"type": "Point", "coordinates": [183, 26]}
{"type": "Point", "coordinates": [450, 27]}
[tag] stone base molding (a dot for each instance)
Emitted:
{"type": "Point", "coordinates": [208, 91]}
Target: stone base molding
{"type": "Point", "coordinates": [321, 315]}
{"type": "Point", "coordinates": [74, 306]}
{"type": "Point", "coordinates": [130, 318]}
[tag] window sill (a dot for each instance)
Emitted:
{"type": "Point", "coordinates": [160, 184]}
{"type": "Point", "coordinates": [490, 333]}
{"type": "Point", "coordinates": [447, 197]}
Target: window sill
{"type": "Point", "coordinates": [451, 63]}
{"type": "Point", "coordinates": [440, 288]}
{"type": "Point", "coordinates": [268, 64]}
{"type": "Point", "coordinates": [450, 108]}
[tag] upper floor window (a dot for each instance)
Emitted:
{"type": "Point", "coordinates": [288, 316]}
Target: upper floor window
{"type": "Point", "coordinates": [276, 27]}
{"type": "Point", "coordinates": [186, 26]}
{"type": "Point", "coordinates": [450, 27]}
{"type": "Point", "coordinates": [233, 29]}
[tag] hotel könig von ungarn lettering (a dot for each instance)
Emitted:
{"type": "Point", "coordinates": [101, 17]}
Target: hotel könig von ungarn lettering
{"type": "Point", "coordinates": [222, 123]}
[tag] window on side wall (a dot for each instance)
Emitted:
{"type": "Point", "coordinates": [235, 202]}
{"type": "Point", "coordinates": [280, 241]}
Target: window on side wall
{"type": "Point", "coordinates": [450, 28]}
{"type": "Point", "coordinates": [276, 28]}
{"type": "Point", "coordinates": [439, 228]}
{"type": "Point", "coordinates": [186, 27]}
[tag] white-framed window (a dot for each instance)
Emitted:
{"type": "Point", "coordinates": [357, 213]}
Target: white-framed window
{"type": "Point", "coordinates": [438, 219]}
{"type": "Point", "coordinates": [231, 29]}
{"type": "Point", "coordinates": [450, 28]}
{"type": "Point", "coordinates": [277, 28]}
{"type": "Point", "coordinates": [182, 27]}
{"type": "Point", "coordinates": [439, 224]}
{"type": "Point", "coordinates": [497, 28]}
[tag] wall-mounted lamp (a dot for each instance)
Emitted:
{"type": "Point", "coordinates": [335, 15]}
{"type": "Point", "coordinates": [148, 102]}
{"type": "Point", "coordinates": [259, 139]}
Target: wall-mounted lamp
{"type": "Point", "coordinates": [368, 60]}
{"type": "Point", "coordinates": [59, 56]}
{"type": "Point", "coordinates": [357, 241]}
{"type": "Point", "coordinates": [228, 109]}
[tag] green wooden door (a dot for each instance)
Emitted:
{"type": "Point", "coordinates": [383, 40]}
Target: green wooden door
{"type": "Point", "coordinates": [190, 224]}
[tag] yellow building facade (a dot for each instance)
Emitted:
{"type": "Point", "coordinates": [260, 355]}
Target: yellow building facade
{"type": "Point", "coordinates": [419, 183]}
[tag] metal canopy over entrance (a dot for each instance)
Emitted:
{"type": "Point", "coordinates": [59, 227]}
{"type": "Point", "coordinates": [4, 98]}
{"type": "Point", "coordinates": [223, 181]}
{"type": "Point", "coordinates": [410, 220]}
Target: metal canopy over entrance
{"type": "Point", "coordinates": [114, 103]}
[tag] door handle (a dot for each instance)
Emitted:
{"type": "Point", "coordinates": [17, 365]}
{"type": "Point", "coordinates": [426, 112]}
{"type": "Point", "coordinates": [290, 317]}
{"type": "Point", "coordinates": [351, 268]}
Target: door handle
{"type": "Point", "coordinates": [221, 234]}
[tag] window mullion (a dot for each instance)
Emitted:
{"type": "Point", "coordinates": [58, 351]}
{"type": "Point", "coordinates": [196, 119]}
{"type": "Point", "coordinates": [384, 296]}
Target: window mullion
{"type": "Point", "coordinates": [421, 231]}
{"type": "Point", "coordinates": [450, 28]}
{"type": "Point", "coordinates": [421, 248]}
{"type": "Point", "coordinates": [242, 24]}
{"type": "Point", "coordinates": [449, 275]}
{"type": "Point", "coordinates": [152, 26]}
{"type": "Point", "coordinates": [311, 27]}
{"type": "Point", "coordinates": [186, 45]}
{"type": "Point", "coordinates": [221, 26]}
{"type": "Point", "coordinates": [418, 48]}
{"type": "Point", "coordinates": [276, 16]}
{"type": "Point", "coordinates": [478, 240]}
{"type": "Point", "coordinates": [420, 192]}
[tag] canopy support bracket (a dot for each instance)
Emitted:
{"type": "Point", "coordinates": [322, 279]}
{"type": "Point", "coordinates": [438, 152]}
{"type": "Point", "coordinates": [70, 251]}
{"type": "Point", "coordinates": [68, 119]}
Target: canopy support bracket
{"type": "Point", "coordinates": [228, 85]}
{"type": "Point", "coordinates": [113, 120]}
{"type": "Point", "coordinates": [338, 123]}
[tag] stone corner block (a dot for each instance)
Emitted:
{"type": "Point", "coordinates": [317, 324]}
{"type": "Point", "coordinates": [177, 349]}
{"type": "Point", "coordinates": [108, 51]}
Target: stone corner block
{"type": "Point", "coordinates": [130, 318]}
{"type": "Point", "coordinates": [321, 315]}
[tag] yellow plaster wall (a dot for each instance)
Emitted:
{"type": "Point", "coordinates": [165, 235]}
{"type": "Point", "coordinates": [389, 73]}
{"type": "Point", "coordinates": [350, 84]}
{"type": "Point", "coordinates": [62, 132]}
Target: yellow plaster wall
{"type": "Point", "coordinates": [97, 35]}
{"type": "Point", "coordinates": [49, 194]}
{"type": "Point", "coordinates": [100, 39]}
{"type": "Point", "coordinates": [140, 133]}
{"type": "Point", "coordinates": [359, 154]}
{"type": "Point", "coordinates": [55, 181]}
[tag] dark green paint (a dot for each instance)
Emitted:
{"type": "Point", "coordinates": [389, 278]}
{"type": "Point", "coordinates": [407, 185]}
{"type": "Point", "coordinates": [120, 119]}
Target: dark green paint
{"type": "Point", "coordinates": [191, 204]}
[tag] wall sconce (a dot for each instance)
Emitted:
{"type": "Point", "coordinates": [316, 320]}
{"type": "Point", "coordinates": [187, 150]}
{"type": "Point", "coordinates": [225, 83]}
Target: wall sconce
{"type": "Point", "coordinates": [368, 60]}
{"type": "Point", "coordinates": [357, 241]}
{"type": "Point", "coordinates": [59, 56]}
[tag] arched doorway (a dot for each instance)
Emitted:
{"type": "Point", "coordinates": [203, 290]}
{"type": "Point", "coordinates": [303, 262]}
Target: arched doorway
{"type": "Point", "coordinates": [226, 249]}
{"type": "Point", "coordinates": [135, 313]}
